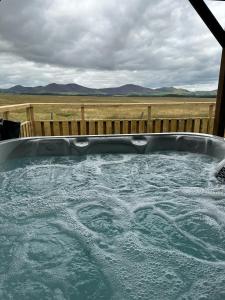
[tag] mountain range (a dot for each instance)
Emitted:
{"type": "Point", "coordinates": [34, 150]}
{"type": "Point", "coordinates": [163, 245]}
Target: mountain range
{"type": "Point", "coordinates": [124, 90]}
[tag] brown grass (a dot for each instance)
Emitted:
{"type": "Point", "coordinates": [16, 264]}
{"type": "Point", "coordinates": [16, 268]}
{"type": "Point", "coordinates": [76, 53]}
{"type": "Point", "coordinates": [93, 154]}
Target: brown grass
{"type": "Point", "coordinates": [179, 108]}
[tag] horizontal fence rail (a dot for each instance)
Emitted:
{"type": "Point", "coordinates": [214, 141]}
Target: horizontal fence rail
{"type": "Point", "coordinates": [84, 125]}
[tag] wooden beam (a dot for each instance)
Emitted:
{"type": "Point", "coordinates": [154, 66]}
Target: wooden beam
{"type": "Point", "coordinates": [219, 123]}
{"type": "Point", "coordinates": [13, 107]}
{"type": "Point", "coordinates": [209, 19]}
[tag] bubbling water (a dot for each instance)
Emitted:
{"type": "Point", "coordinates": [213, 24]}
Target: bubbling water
{"type": "Point", "coordinates": [119, 227]}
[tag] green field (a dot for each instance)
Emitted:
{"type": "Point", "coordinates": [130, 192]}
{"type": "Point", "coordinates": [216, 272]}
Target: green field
{"type": "Point", "coordinates": [180, 107]}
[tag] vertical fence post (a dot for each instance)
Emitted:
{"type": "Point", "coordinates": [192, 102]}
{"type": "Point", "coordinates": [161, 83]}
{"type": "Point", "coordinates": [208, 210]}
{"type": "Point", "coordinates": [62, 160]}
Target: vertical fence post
{"type": "Point", "coordinates": [28, 114]}
{"type": "Point", "coordinates": [211, 114]}
{"type": "Point", "coordinates": [5, 115]}
{"type": "Point", "coordinates": [211, 109]}
{"type": "Point", "coordinates": [31, 113]}
{"type": "Point", "coordinates": [30, 118]}
{"type": "Point", "coordinates": [82, 120]}
{"type": "Point", "coordinates": [149, 127]}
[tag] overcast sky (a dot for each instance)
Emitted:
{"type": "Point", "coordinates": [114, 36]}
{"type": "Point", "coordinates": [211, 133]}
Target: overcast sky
{"type": "Point", "coordinates": [102, 43]}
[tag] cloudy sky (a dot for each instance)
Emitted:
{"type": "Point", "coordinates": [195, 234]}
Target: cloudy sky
{"type": "Point", "coordinates": [102, 43]}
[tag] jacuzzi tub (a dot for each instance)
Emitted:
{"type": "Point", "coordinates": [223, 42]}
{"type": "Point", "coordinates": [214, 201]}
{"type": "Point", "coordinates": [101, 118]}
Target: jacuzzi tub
{"type": "Point", "coordinates": [112, 218]}
{"type": "Point", "coordinates": [140, 144]}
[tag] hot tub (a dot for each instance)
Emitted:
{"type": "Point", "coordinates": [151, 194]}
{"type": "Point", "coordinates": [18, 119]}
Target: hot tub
{"type": "Point", "coordinates": [140, 144]}
{"type": "Point", "coordinates": [113, 217]}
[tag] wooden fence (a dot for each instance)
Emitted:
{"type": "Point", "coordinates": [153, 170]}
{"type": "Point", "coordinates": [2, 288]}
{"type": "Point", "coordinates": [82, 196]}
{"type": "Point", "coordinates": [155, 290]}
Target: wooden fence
{"type": "Point", "coordinates": [83, 126]}
{"type": "Point", "coordinates": [26, 129]}
{"type": "Point", "coordinates": [96, 127]}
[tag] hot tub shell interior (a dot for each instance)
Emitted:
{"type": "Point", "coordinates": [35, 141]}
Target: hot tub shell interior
{"type": "Point", "coordinates": [99, 226]}
{"type": "Point", "coordinates": [137, 144]}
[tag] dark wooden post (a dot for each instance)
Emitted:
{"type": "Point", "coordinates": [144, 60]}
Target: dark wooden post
{"type": "Point", "coordinates": [219, 123]}
{"type": "Point", "coordinates": [209, 19]}
{"type": "Point", "coordinates": [219, 33]}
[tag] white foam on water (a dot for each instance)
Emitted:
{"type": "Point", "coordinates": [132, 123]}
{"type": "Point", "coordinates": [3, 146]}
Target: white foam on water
{"type": "Point", "coordinates": [114, 227]}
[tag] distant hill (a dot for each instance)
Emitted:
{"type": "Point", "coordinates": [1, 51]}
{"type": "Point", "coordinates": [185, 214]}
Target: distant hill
{"type": "Point", "coordinates": [171, 90]}
{"type": "Point", "coordinates": [124, 90]}
{"type": "Point", "coordinates": [52, 88]}
{"type": "Point", "coordinates": [128, 89]}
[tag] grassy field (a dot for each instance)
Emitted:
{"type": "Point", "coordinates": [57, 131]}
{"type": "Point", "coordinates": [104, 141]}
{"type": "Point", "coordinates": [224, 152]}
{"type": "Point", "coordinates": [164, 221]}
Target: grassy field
{"type": "Point", "coordinates": [172, 107]}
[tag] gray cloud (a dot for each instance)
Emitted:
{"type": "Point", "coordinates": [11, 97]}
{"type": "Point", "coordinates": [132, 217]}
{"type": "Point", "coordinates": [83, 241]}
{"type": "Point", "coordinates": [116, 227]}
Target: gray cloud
{"type": "Point", "coordinates": [104, 43]}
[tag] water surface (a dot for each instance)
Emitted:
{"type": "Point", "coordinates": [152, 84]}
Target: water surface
{"type": "Point", "coordinates": [118, 227]}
